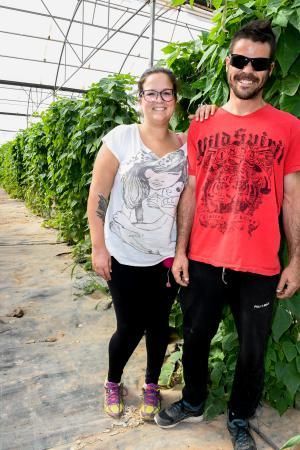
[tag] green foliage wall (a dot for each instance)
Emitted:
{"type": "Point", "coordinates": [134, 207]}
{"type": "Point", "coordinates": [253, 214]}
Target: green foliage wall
{"type": "Point", "coordinates": [200, 64]}
{"type": "Point", "coordinates": [49, 164]}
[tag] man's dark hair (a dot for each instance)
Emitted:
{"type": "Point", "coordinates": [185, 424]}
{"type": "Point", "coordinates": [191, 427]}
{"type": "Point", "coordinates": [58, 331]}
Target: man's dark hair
{"type": "Point", "coordinates": [256, 31]}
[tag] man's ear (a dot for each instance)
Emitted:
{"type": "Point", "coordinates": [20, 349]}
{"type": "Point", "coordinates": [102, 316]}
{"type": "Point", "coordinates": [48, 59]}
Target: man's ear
{"type": "Point", "coordinates": [227, 62]}
{"type": "Point", "coordinates": [272, 68]}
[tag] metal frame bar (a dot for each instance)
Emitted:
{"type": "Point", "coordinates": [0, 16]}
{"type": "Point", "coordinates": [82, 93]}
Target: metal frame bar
{"type": "Point", "coordinates": [49, 87]}
{"type": "Point", "coordinates": [196, 11]}
{"type": "Point", "coordinates": [9, 131]}
{"type": "Point", "coordinates": [65, 41]}
{"type": "Point", "coordinates": [152, 31]}
{"type": "Point", "coordinates": [101, 45]}
{"type": "Point", "coordinates": [151, 43]}
{"type": "Point", "coordinates": [118, 52]}
{"type": "Point", "coordinates": [55, 21]}
{"type": "Point", "coordinates": [38, 94]}
{"type": "Point", "coordinates": [77, 21]}
{"type": "Point", "coordinates": [55, 63]}
{"type": "Point", "coordinates": [5, 113]}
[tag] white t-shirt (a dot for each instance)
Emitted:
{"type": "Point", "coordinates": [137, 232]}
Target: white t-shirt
{"type": "Point", "coordinates": [140, 222]}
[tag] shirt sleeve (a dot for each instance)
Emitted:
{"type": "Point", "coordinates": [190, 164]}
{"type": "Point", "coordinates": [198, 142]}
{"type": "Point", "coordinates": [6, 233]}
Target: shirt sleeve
{"type": "Point", "coordinates": [292, 160]}
{"type": "Point", "coordinates": [192, 149]}
{"type": "Point", "coordinates": [115, 140]}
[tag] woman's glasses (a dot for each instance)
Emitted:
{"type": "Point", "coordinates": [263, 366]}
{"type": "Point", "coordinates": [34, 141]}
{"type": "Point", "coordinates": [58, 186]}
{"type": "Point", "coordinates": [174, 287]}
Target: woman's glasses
{"type": "Point", "coordinates": [150, 95]}
{"type": "Point", "coordinates": [258, 64]}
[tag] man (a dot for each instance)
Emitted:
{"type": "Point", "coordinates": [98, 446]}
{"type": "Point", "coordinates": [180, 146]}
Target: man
{"type": "Point", "coordinates": [244, 169]}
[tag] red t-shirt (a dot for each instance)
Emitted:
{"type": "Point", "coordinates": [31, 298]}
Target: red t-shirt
{"type": "Point", "coordinates": [239, 163]}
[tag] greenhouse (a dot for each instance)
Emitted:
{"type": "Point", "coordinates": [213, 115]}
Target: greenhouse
{"type": "Point", "coordinates": [149, 196]}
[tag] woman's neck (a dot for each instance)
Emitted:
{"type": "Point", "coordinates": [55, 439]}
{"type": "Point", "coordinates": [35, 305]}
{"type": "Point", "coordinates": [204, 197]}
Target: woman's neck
{"type": "Point", "coordinates": [160, 132]}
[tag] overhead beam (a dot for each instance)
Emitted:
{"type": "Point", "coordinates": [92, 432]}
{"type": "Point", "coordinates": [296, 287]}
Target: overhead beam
{"type": "Point", "coordinates": [113, 30]}
{"type": "Point", "coordinates": [5, 113]}
{"type": "Point", "coordinates": [49, 87]}
{"type": "Point", "coordinates": [41, 38]}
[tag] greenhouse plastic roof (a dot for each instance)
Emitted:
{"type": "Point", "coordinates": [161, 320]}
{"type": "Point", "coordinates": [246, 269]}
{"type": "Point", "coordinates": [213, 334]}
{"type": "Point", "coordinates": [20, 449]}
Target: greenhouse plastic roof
{"type": "Point", "coordinates": [59, 47]}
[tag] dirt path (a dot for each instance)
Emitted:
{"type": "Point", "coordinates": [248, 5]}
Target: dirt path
{"type": "Point", "coordinates": [54, 358]}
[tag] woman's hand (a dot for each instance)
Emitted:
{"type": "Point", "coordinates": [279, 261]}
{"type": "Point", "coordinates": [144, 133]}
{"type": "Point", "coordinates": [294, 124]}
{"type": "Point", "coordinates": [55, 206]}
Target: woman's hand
{"type": "Point", "coordinates": [203, 112]}
{"type": "Point", "coordinates": [101, 262]}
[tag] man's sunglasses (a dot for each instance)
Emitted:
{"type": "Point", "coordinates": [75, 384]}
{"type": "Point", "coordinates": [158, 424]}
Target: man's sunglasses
{"type": "Point", "coordinates": [258, 64]}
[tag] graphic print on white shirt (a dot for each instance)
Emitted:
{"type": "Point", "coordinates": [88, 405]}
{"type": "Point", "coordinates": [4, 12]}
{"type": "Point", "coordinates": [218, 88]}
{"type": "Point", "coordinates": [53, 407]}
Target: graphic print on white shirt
{"type": "Point", "coordinates": [151, 188]}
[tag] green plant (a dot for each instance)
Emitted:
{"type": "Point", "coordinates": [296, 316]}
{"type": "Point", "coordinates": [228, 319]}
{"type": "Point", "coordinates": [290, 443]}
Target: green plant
{"type": "Point", "coordinates": [49, 164]}
{"type": "Point", "coordinates": [291, 442]}
{"type": "Point", "coordinates": [200, 64]}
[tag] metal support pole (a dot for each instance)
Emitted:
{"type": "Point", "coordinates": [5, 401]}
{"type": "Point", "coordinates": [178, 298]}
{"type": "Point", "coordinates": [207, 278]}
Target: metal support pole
{"type": "Point", "coordinates": [152, 31]}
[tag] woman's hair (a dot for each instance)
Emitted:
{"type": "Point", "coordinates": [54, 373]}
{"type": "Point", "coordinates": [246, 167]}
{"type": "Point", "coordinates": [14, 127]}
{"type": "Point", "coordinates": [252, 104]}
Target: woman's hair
{"type": "Point", "coordinates": [256, 31]}
{"type": "Point", "coordinates": [154, 70]}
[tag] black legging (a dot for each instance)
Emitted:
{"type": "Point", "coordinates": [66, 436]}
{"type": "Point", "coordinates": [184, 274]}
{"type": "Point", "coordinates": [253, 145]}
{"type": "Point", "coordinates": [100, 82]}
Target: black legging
{"type": "Point", "coordinates": [250, 297]}
{"type": "Point", "coordinates": [142, 303]}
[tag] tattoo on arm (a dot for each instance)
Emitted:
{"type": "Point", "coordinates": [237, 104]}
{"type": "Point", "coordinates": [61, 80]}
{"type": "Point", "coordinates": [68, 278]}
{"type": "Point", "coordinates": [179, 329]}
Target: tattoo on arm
{"type": "Point", "coordinates": [102, 207]}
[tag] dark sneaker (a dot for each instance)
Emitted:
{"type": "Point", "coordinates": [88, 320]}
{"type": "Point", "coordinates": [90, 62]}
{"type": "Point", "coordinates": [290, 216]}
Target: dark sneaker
{"type": "Point", "coordinates": [177, 413]}
{"type": "Point", "coordinates": [151, 401]}
{"type": "Point", "coordinates": [113, 401]}
{"type": "Point", "coordinates": [240, 435]}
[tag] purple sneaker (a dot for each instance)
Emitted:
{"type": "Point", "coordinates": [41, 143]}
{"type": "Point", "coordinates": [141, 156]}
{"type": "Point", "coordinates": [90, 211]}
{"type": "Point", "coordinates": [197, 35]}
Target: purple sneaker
{"type": "Point", "coordinates": [151, 401]}
{"type": "Point", "coordinates": [113, 401]}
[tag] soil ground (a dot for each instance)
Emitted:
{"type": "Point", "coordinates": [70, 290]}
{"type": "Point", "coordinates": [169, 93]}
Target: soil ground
{"type": "Point", "coordinates": [54, 358]}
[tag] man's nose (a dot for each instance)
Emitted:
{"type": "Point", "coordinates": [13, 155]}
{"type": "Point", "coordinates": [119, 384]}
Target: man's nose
{"type": "Point", "coordinates": [248, 67]}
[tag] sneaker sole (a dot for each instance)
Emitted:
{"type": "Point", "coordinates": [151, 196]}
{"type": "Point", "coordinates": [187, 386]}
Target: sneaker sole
{"type": "Point", "coordinates": [191, 419]}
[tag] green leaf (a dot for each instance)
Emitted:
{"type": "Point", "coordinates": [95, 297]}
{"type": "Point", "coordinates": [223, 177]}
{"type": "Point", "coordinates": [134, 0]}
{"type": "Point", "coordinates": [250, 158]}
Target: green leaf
{"type": "Point", "coordinates": [294, 19]}
{"type": "Point", "coordinates": [177, 2]}
{"type": "Point", "coordinates": [274, 5]}
{"type": "Point", "coordinates": [292, 442]}
{"type": "Point", "coordinates": [291, 378]}
{"type": "Point", "coordinates": [230, 342]}
{"type": "Point", "coordinates": [216, 373]}
{"type": "Point", "coordinates": [290, 84]}
{"type": "Point", "coordinates": [166, 374]}
{"type": "Point", "coordinates": [293, 305]}
{"type": "Point", "coordinates": [281, 18]}
{"type": "Point", "coordinates": [295, 69]}
{"type": "Point", "coordinates": [290, 104]}
{"type": "Point", "coordinates": [119, 120]}
{"type": "Point", "coordinates": [217, 3]}
{"type": "Point", "coordinates": [281, 323]}
{"type": "Point", "coordinates": [290, 350]}
{"type": "Point", "coordinates": [279, 370]}
{"type": "Point", "coordinates": [206, 54]}
{"type": "Point", "coordinates": [287, 51]}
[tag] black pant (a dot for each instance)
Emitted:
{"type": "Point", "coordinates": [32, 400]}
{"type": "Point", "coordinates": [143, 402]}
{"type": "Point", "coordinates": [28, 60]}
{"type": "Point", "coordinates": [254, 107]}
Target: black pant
{"type": "Point", "coordinates": [142, 303]}
{"type": "Point", "coordinates": [251, 298]}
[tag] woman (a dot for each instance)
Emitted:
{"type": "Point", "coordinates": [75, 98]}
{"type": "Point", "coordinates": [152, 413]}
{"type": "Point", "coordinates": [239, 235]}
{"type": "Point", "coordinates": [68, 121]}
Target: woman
{"type": "Point", "coordinates": [142, 168]}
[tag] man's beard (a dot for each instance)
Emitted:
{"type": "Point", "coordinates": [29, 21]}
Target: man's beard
{"type": "Point", "coordinates": [250, 94]}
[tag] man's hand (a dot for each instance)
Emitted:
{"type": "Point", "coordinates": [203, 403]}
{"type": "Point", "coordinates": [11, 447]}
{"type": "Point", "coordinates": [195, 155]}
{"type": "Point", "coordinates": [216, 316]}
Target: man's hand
{"type": "Point", "coordinates": [289, 282]}
{"type": "Point", "coordinates": [203, 112]}
{"type": "Point", "coordinates": [180, 269]}
{"type": "Point", "coordinates": [101, 262]}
